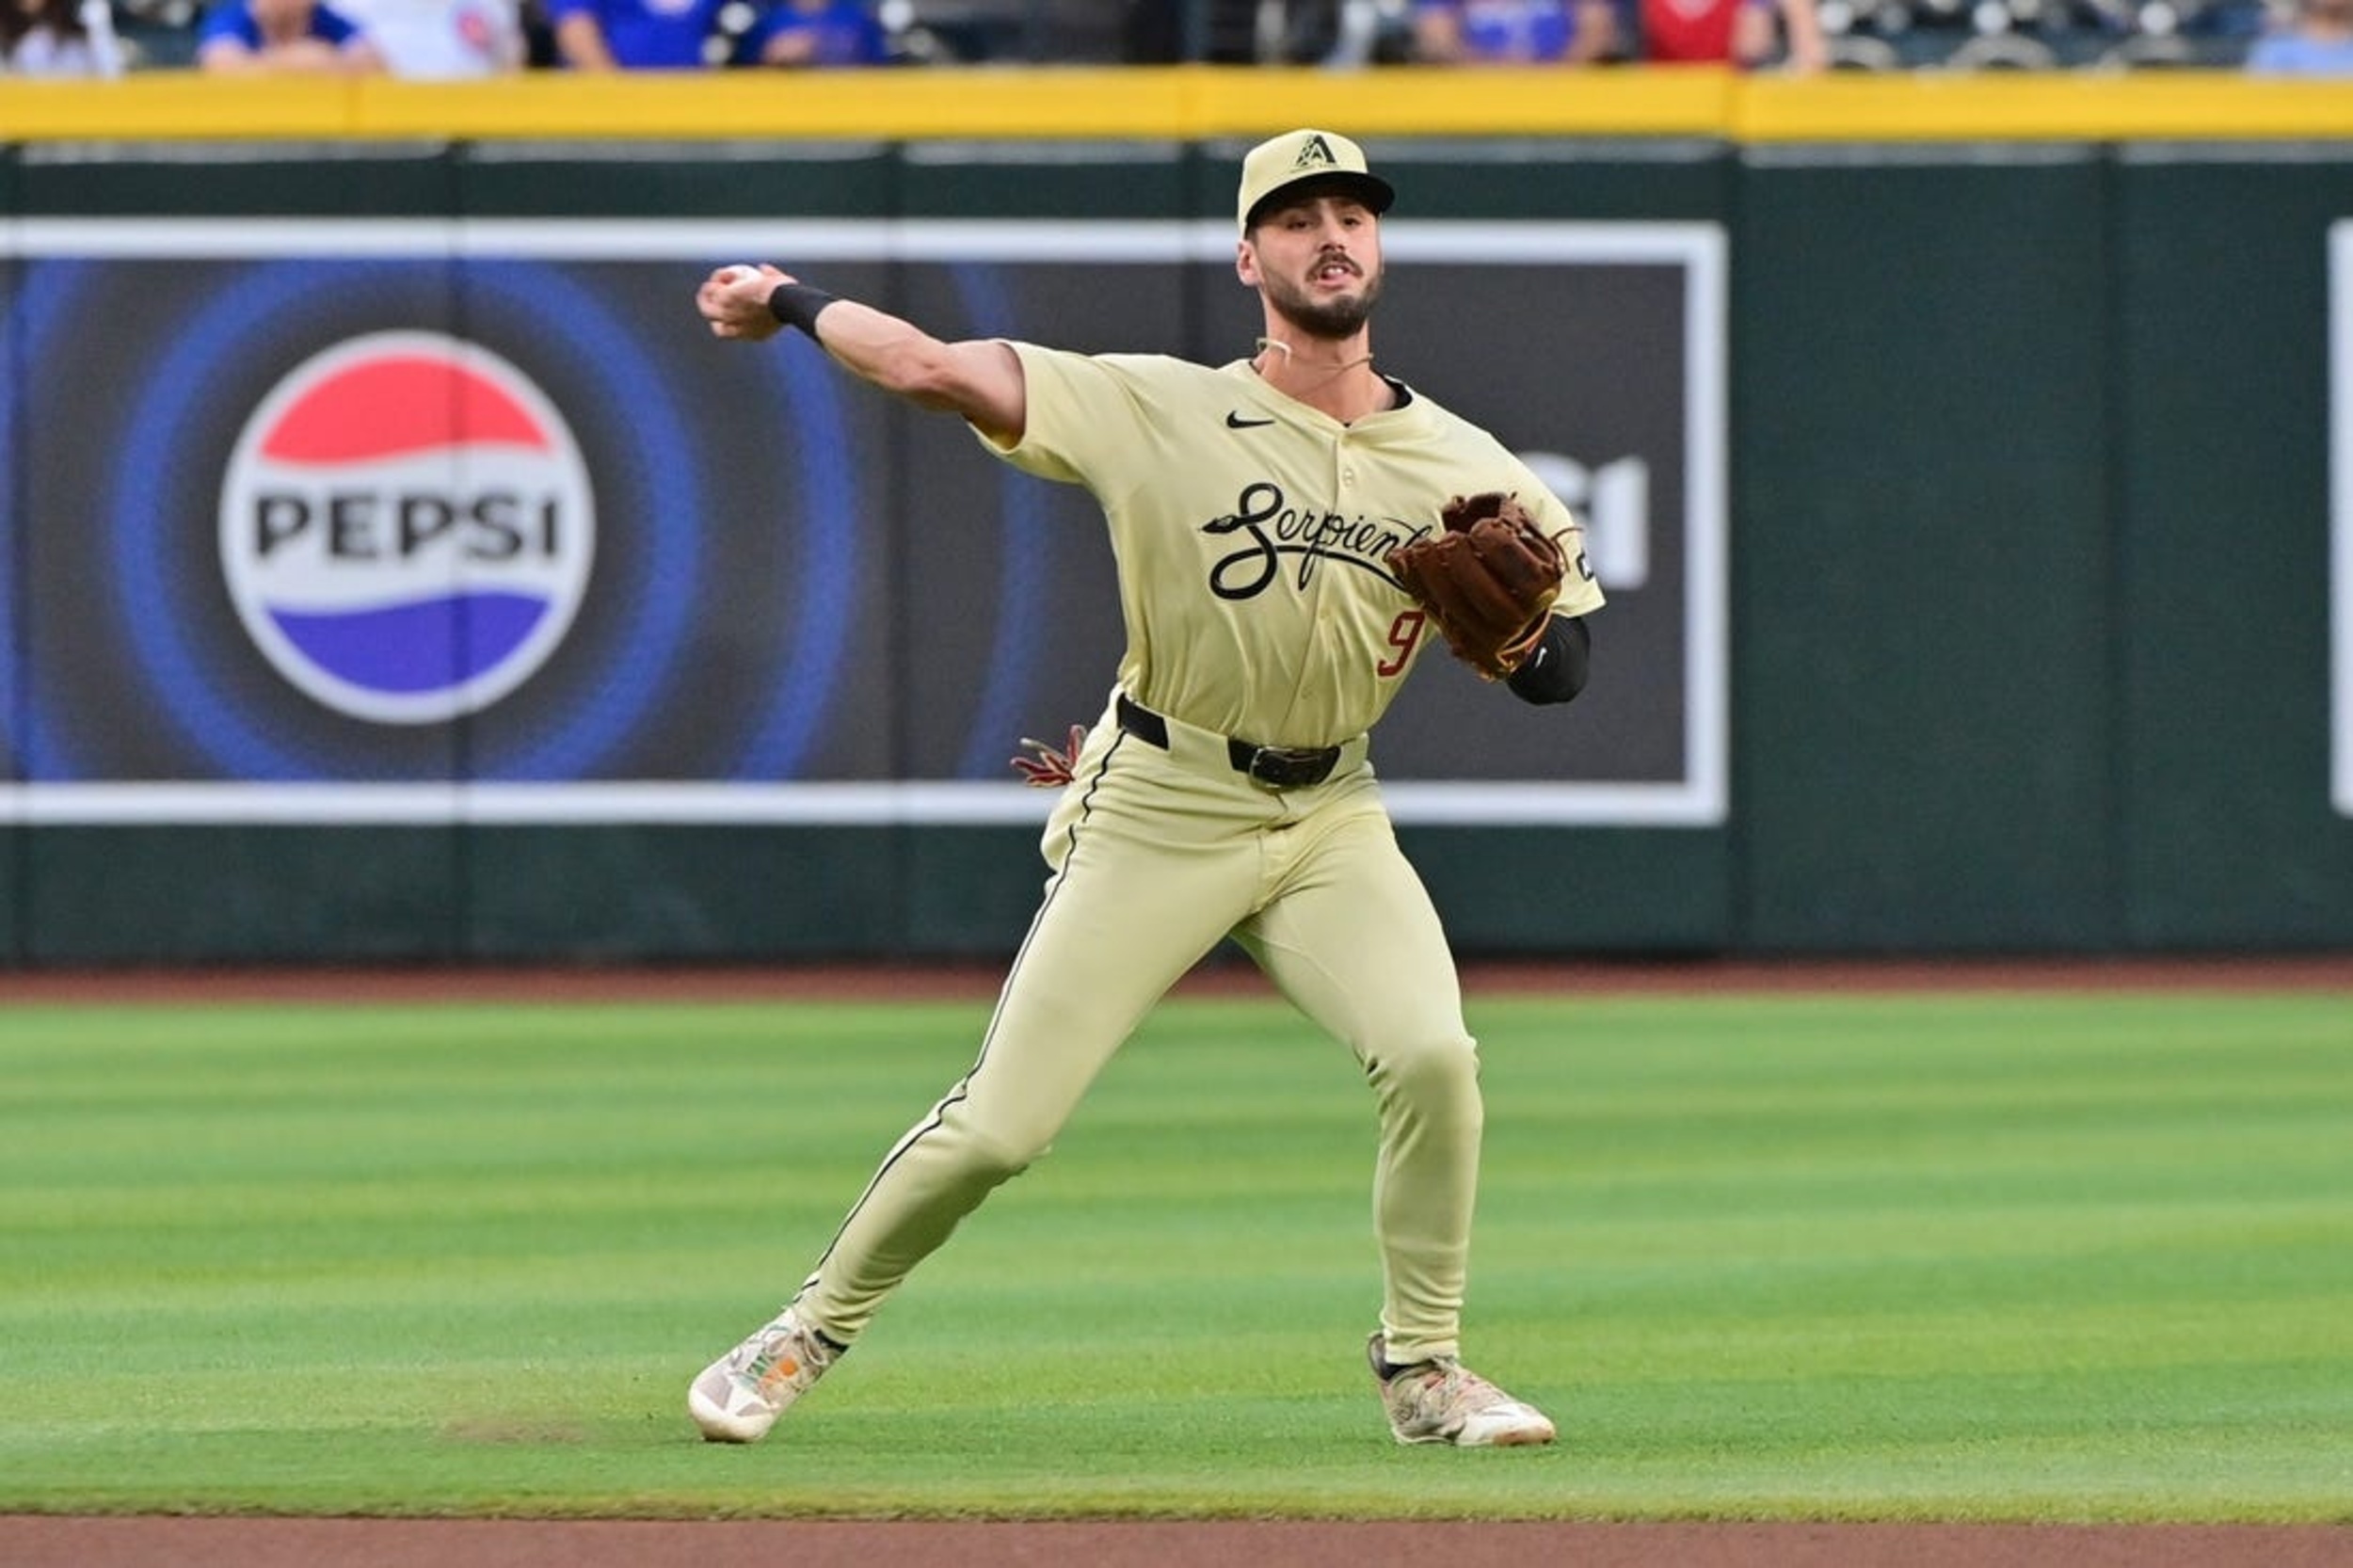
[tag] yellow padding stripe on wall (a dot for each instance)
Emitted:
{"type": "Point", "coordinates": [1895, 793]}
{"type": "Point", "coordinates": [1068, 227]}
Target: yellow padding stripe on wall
{"type": "Point", "coordinates": [1188, 103]}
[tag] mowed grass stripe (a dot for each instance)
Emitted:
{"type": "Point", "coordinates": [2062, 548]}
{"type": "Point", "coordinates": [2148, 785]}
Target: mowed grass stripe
{"type": "Point", "coordinates": [1775, 1257]}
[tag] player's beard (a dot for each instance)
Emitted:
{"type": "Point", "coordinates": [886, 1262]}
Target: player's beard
{"type": "Point", "coordinates": [1334, 319]}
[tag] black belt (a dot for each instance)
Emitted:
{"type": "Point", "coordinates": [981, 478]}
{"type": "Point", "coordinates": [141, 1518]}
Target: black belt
{"type": "Point", "coordinates": [1276, 767]}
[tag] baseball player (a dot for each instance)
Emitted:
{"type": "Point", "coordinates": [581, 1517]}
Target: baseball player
{"type": "Point", "coordinates": [1254, 510]}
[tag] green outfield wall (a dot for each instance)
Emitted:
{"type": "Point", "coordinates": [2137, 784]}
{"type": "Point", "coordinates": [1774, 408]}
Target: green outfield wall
{"type": "Point", "coordinates": [1964, 450]}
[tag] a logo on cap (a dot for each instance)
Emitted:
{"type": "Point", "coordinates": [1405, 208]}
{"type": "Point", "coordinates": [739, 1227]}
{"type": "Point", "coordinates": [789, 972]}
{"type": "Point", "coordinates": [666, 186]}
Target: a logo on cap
{"type": "Point", "coordinates": [1314, 153]}
{"type": "Point", "coordinates": [406, 528]}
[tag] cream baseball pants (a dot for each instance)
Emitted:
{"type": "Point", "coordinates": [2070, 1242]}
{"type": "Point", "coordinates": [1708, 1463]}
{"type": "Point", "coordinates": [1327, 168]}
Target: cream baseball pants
{"type": "Point", "coordinates": [1155, 856]}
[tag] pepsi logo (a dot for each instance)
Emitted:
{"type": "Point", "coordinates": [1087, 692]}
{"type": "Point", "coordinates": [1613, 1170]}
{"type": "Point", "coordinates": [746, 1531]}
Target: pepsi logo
{"type": "Point", "coordinates": [407, 527]}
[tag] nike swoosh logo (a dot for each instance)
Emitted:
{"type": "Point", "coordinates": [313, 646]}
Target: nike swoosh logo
{"type": "Point", "coordinates": [1235, 422]}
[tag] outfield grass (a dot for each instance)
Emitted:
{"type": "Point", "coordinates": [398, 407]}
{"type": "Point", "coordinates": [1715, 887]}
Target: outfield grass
{"type": "Point", "coordinates": [1892, 1258]}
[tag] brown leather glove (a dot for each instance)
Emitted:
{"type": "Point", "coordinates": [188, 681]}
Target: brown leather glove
{"type": "Point", "coordinates": [1488, 578]}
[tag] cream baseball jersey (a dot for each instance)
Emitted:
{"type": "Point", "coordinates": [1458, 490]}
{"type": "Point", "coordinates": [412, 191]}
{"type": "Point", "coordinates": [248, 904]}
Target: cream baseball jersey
{"type": "Point", "coordinates": [1251, 532]}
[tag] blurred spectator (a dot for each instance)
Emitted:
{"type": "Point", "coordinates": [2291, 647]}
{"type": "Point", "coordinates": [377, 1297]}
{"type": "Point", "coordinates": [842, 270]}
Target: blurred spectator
{"type": "Point", "coordinates": [253, 37]}
{"type": "Point", "coordinates": [1152, 32]}
{"type": "Point", "coordinates": [59, 37]}
{"type": "Point", "coordinates": [1515, 32]}
{"type": "Point", "coordinates": [635, 35]}
{"type": "Point", "coordinates": [440, 40]}
{"type": "Point", "coordinates": [818, 32]}
{"type": "Point", "coordinates": [2315, 40]}
{"type": "Point", "coordinates": [1743, 33]}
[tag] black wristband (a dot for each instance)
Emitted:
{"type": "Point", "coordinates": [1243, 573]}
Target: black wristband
{"type": "Point", "coordinates": [1555, 671]}
{"type": "Point", "coordinates": [797, 304]}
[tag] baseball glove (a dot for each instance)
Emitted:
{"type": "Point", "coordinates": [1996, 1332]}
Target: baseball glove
{"type": "Point", "coordinates": [1487, 576]}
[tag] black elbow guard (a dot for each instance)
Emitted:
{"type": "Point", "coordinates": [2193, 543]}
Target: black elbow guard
{"type": "Point", "coordinates": [1555, 671]}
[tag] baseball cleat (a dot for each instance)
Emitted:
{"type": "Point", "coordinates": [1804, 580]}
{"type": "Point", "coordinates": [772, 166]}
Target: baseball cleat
{"type": "Point", "coordinates": [1445, 1402]}
{"type": "Point", "coordinates": [739, 1397]}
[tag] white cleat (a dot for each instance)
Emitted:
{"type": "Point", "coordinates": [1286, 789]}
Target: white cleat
{"type": "Point", "coordinates": [739, 1397]}
{"type": "Point", "coordinates": [1445, 1402]}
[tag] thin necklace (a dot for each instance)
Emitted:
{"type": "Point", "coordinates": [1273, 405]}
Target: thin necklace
{"type": "Point", "coordinates": [1285, 349]}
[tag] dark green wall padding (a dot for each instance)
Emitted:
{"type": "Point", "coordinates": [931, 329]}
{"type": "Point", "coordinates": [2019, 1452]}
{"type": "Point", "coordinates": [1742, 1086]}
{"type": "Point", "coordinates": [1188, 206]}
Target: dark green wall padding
{"type": "Point", "coordinates": [2029, 468]}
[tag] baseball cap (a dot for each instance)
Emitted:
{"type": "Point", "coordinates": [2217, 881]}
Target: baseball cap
{"type": "Point", "coordinates": [1281, 162]}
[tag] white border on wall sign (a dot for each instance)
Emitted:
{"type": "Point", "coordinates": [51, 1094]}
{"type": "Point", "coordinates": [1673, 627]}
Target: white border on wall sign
{"type": "Point", "coordinates": [2341, 515]}
{"type": "Point", "coordinates": [1700, 798]}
